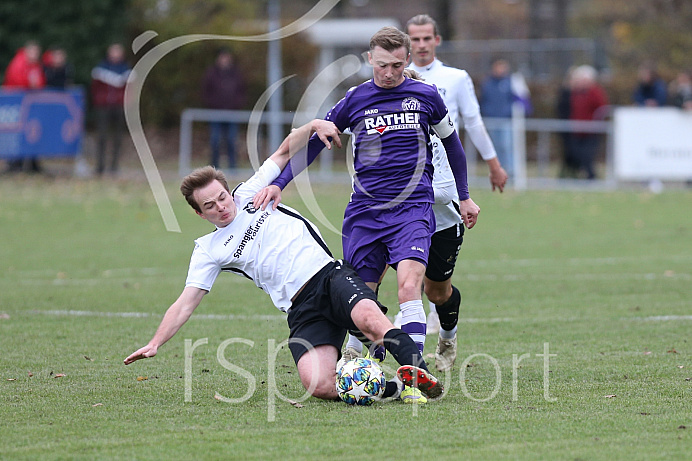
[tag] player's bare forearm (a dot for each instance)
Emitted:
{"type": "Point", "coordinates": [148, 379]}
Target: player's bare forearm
{"type": "Point", "coordinates": [299, 137]}
{"type": "Point", "coordinates": [498, 175]}
{"type": "Point", "coordinates": [176, 316]}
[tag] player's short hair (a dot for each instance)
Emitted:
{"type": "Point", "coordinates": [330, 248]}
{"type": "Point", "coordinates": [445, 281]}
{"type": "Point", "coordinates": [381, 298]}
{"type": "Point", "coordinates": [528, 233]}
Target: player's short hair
{"type": "Point", "coordinates": [199, 178]}
{"type": "Point", "coordinates": [390, 39]}
{"type": "Point", "coordinates": [421, 20]}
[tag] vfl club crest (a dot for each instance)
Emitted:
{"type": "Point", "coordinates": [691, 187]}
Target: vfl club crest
{"type": "Point", "coordinates": [410, 104]}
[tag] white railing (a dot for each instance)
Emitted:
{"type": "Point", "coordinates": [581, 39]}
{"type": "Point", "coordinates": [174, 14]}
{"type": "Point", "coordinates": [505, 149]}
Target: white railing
{"type": "Point", "coordinates": [544, 129]}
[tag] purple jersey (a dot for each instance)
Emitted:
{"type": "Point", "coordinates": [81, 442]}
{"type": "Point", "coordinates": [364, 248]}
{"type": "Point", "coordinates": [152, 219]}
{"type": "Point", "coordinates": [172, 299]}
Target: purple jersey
{"type": "Point", "coordinates": [390, 136]}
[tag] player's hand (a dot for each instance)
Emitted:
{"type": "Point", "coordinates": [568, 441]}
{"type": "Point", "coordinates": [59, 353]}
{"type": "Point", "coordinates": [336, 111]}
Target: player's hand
{"type": "Point", "coordinates": [498, 175]}
{"type": "Point", "coordinates": [266, 195]}
{"type": "Point", "coordinates": [498, 179]}
{"type": "Point", "coordinates": [469, 212]}
{"type": "Point", "coordinates": [327, 132]}
{"type": "Point", "coordinates": [143, 353]}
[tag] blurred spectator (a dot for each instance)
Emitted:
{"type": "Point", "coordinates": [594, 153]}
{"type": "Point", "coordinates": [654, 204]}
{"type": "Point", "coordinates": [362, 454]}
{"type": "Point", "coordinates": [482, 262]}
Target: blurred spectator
{"type": "Point", "coordinates": [570, 163]}
{"type": "Point", "coordinates": [108, 81]}
{"type": "Point", "coordinates": [25, 73]}
{"type": "Point", "coordinates": [498, 93]}
{"type": "Point", "coordinates": [651, 89]}
{"type": "Point", "coordinates": [223, 87]}
{"type": "Point", "coordinates": [681, 91]}
{"type": "Point", "coordinates": [59, 73]}
{"type": "Point", "coordinates": [586, 96]}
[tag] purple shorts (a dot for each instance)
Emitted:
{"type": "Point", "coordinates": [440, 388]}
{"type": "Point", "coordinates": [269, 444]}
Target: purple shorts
{"type": "Point", "coordinates": [374, 238]}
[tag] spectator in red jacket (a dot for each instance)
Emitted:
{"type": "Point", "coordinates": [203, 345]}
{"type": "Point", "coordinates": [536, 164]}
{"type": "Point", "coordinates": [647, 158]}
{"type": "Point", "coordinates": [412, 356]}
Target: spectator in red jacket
{"type": "Point", "coordinates": [223, 87]}
{"type": "Point", "coordinates": [586, 97]}
{"type": "Point", "coordinates": [25, 71]}
{"type": "Point", "coordinates": [108, 81]}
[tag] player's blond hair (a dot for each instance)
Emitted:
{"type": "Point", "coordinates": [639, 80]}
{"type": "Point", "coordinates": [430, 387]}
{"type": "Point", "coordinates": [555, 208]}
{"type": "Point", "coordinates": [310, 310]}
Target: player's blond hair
{"type": "Point", "coordinates": [199, 178]}
{"type": "Point", "coordinates": [390, 39]}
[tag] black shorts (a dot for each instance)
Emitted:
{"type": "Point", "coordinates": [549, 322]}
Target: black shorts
{"type": "Point", "coordinates": [321, 314]}
{"type": "Point", "coordinates": [444, 249]}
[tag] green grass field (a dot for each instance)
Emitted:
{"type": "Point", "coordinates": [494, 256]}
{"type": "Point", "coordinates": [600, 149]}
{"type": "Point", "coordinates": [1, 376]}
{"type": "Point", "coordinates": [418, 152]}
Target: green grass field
{"type": "Point", "coordinates": [574, 341]}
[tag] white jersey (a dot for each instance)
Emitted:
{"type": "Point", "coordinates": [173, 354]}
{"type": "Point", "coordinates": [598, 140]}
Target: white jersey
{"type": "Point", "coordinates": [456, 88]}
{"type": "Point", "coordinates": [278, 249]}
{"type": "Point", "coordinates": [444, 188]}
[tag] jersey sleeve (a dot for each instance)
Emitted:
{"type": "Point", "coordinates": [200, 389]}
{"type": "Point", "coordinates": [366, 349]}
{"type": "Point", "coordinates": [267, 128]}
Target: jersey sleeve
{"type": "Point", "coordinates": [261, 179]}
{"type": "Point", "coordinates": [203, 269]}
{"type": "Point", "coordinates": [471, 114]}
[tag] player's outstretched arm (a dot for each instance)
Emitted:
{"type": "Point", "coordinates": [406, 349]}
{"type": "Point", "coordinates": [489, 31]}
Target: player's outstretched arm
{"type": "Point", "coordinates": [298, 138]}
{"type": "Point", "coordinates": [498, 175]}
{"type": "Point", "coordinates": [175, 317]}
{"type": "Point", "coordinates": [324, 130]}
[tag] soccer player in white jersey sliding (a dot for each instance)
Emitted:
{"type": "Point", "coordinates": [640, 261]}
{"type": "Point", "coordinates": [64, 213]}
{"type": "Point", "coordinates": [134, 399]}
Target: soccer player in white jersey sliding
{"type": "Point", "coordinates": [284, 254]}
{"type": "Point", "coordinates": [456, 88]}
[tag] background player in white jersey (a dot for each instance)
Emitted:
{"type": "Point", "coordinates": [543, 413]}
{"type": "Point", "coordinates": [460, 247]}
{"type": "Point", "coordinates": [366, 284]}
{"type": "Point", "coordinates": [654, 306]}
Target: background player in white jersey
{"type": "Point", "coordinates": [456, 88]}
{"type": "Point", "coordinates": [285, 255]}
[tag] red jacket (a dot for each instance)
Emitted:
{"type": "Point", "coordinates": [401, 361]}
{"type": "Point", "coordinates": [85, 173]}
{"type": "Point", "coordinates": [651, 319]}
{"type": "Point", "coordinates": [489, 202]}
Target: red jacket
{"type": "Point", "coordinates": [583, 103]}
{"type": "Point", "coordinates": [108, 81]}
{"type": "Point", "coordinates": [24, 74]}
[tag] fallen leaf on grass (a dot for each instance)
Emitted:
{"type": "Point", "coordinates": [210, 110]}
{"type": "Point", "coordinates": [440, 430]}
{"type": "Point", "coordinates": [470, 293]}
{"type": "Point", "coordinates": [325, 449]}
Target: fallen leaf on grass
{"type": "Point", "coordinates": [89, 358]}
{"type": "Point", "coordinates": [12, 379]}
{"type": "Point", "coordinates": [295, 404]}
{"type": "Point", "coordinates": [611, 396]}
{"type": "Point", "coordinates": [688, 379]}
{"type": "Point", "coordinates": [97, 405]}
{"type": "Point", "coordinates": [672, 351]}
{"type": "Point", "coordinates": [682, 427]}
{"type": "Point", "coordinates": [647, 353]}
{"type": "Point", "coordinates": [681, 366]}
{"type": "Point", "coordinates": [644, 414]}
{"type": "Point", "coordinates": [30, 374]}
{"type": "Point", "coordinates": [430, 356]}
{"type": "Point", "coordinates": [142, 378]}
{"type": "Point", "coordinates": [4, 316]}
{"type": "Point", "coordinates": [59, 375]}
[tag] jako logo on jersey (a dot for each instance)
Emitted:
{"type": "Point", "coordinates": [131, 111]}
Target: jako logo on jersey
{"type": "Point", "coordinates": [353, 296]}
{"type": "Point", "coordinates": [229, 239]}
{"type": "Point", "coordinates": [415, 248]}
{"type": "Point", "coordinates": [250, 208]}
{"type": "Point", "coordinates": [410, 104]}
{"type": "Point", "coordinates": [390, 122]}
{"type": "Point", "coordinates": [371, 111]}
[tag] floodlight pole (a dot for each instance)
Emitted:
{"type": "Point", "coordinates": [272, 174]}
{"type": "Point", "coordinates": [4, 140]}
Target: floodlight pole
{"type": "Point", "coordinates": [274, 72]}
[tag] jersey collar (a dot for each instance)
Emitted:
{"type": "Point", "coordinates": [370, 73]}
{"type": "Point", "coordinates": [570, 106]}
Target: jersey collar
{"type": "Point", "coordinates": [436, 62]}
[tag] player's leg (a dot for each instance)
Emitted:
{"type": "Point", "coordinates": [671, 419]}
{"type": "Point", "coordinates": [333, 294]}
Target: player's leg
{"type": "Point", "coordinates": [354, 306]}
{"type": "Point", "coordinates": [444, 250]}
{"type": "Point", "coordinates": [316, 368]}
{"type": "Point", "coordinates": [409, 280]}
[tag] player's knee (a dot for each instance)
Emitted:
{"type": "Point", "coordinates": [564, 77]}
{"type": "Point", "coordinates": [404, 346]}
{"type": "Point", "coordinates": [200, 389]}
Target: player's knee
{"type": "Point", "coordinates": [324, 389]}
{"type": "Point", "coordinates": [437, 296]}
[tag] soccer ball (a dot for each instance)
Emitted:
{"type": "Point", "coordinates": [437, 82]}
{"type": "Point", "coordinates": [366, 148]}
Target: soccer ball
{"type": "Point", "coordinates": [360, 382]}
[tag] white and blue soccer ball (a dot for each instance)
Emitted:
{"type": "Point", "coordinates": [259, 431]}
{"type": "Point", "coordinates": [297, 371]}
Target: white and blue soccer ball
{"type": "Point", "coordinates": [360, 382]}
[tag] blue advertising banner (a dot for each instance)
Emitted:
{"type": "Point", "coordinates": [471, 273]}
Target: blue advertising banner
{"type": "Point", "coordinates": [43, 123]}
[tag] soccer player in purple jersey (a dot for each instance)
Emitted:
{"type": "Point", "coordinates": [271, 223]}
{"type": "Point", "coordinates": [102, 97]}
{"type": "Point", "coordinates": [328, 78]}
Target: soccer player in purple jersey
{"type": "Point", "coordinates": [389, 219]}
